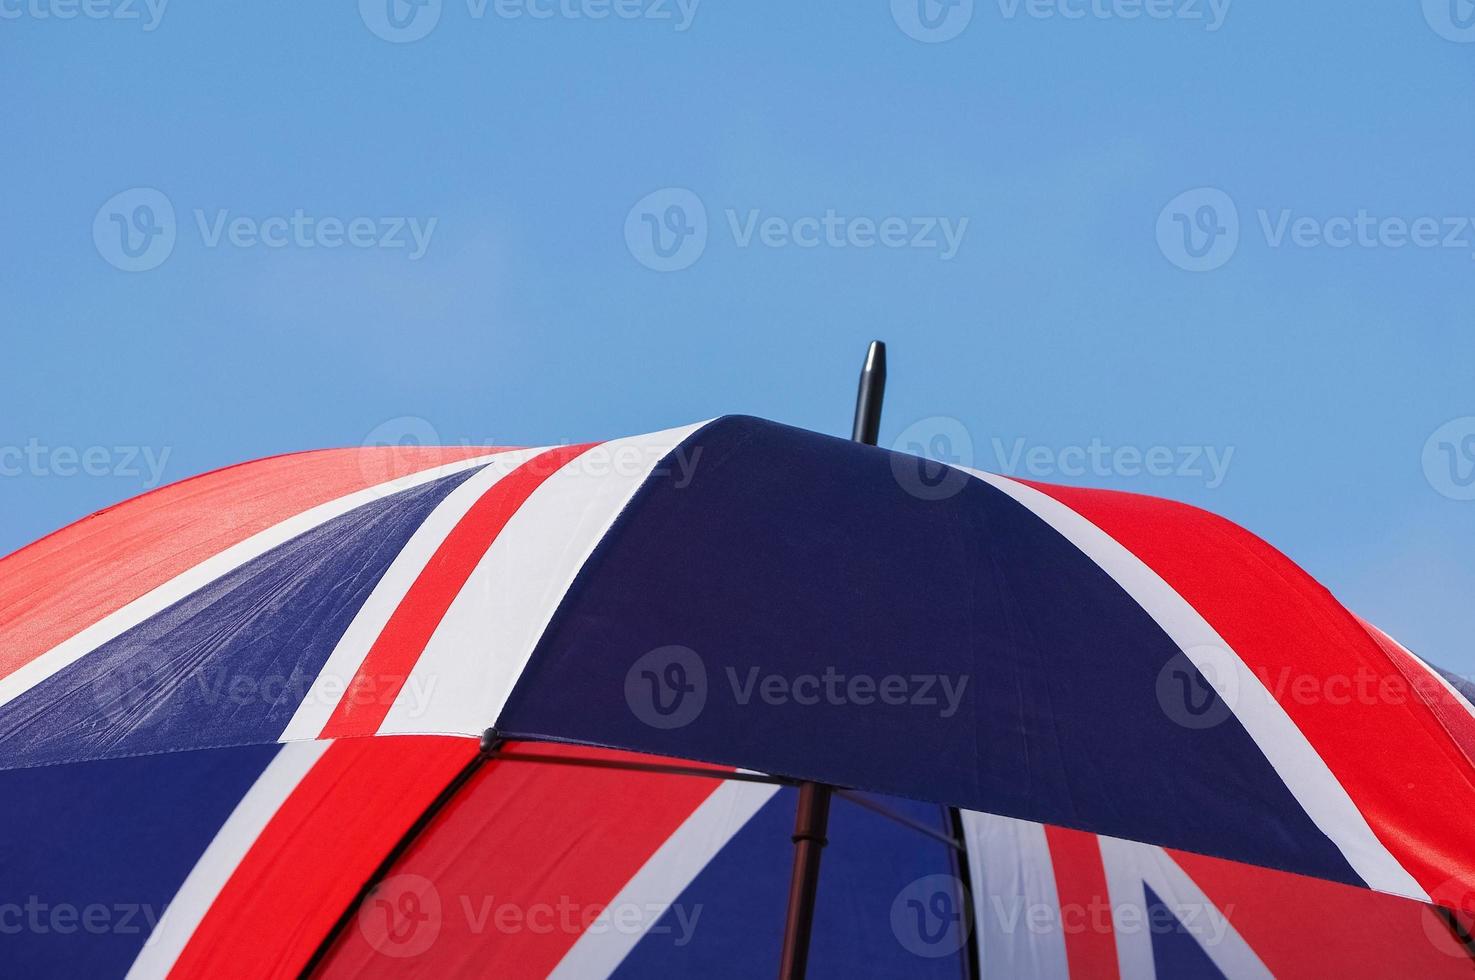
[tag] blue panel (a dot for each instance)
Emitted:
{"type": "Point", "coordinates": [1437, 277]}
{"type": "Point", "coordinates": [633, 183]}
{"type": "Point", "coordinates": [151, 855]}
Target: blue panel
{"type": "Point", "coordinates": [800, 573]}
{"type": "Point", "coordinates": [1175, 953]}
{"type": "Point", "coordinates": [229, 664]}
{"type": "Point", "coordinates": [91, 853]}
{"type": "Point", "coordinates": [729, 921]}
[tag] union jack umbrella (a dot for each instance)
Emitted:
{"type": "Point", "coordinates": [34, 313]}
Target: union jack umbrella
{"type": "Point", "coordinates": [627, 671]}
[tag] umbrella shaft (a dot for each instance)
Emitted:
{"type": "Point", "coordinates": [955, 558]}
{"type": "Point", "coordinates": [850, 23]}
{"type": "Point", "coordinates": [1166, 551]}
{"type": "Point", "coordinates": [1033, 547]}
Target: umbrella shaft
{"type": "Point", "coordinates": [811, 824]}
{"type": "Point", "coordinates": [812, 817]}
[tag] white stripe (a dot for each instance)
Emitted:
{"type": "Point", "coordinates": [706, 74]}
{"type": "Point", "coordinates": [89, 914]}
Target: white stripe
{"type": "Point", "coordinates": [331, 683]}
{"type": "Point", "coordinates": [216, 566]}
{"type": "Point", "coordinates": [1128, 866]}
{"type": "Point", "coordinates": [1016, 906]}
{"type": "Point", "coordinates": [601, 948]}
{"type": "Point", "coordinates": [220, 860]}
{"type": "Point", "coordinates": [1293, 757]}
{"type": "Point", "coordinates": [475, 656]}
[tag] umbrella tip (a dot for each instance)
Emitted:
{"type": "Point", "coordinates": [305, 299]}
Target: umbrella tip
{"type": "Point", "coordinates": [868, 398]}
{"type": "Point", "coordinates": [876, 355]}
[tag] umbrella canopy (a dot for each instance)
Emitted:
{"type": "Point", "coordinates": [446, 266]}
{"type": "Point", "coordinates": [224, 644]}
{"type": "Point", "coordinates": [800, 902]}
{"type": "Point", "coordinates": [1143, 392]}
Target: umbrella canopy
{"type": "Point", "coordinates": [251, 861]}
{"type": "Point", "coordinates": [746, 594]}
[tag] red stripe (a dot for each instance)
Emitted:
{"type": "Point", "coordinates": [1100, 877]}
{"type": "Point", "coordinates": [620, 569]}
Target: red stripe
{"type": "Point", "coordinates": [1085, 903]}
{"type": "Point", "coordinates": [515, 869]}
{"type": "Point", "coordinates": [1307, 929]}
{"type": "Point", "coordinates": [368, 697]}
{"type": "Point", "coordinates": [66, 582]}
{"type": "Point", "coordinates": [325, 841]}
{"type": "Point", "coordinates": [1404, 772]}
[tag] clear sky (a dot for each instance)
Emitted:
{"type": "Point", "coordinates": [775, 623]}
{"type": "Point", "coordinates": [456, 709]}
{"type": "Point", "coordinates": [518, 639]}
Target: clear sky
{"type": "Point", "coordinates": [1087, 228]}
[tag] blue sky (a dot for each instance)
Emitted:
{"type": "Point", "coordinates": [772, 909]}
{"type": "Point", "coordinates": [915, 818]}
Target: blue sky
{"type": "Point", "coordinates": [1049, 281]}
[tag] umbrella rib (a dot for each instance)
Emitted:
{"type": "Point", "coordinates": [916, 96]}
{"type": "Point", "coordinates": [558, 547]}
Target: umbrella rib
{"type": "Point", "coordinates": [491, 749]}
{"type": "Point", "coordinates": [901, 818]}
{"type": "Point", "coordinates": [653, 767]}
{"type": "Point", "coordinates": [728, 775]}
{"type": "Point", "coordinates": [973, 965]}
{"type": "Point", "coordinates": [488, 751]}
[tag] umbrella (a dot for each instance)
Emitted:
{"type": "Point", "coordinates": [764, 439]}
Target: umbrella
{"type": "Point", "coordinates": [743, 594]}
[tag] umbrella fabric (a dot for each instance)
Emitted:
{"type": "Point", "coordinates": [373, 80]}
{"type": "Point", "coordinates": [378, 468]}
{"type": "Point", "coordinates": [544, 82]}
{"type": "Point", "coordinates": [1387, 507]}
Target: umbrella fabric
{"type": "Point", "coordinates": [242, 861]}
{"type": "Point", "coordinates": [238, 862]}
{"type": "Point", "coordinates": [1053, 902]}
{"type": "Point", "coordinates": [748, 594]}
